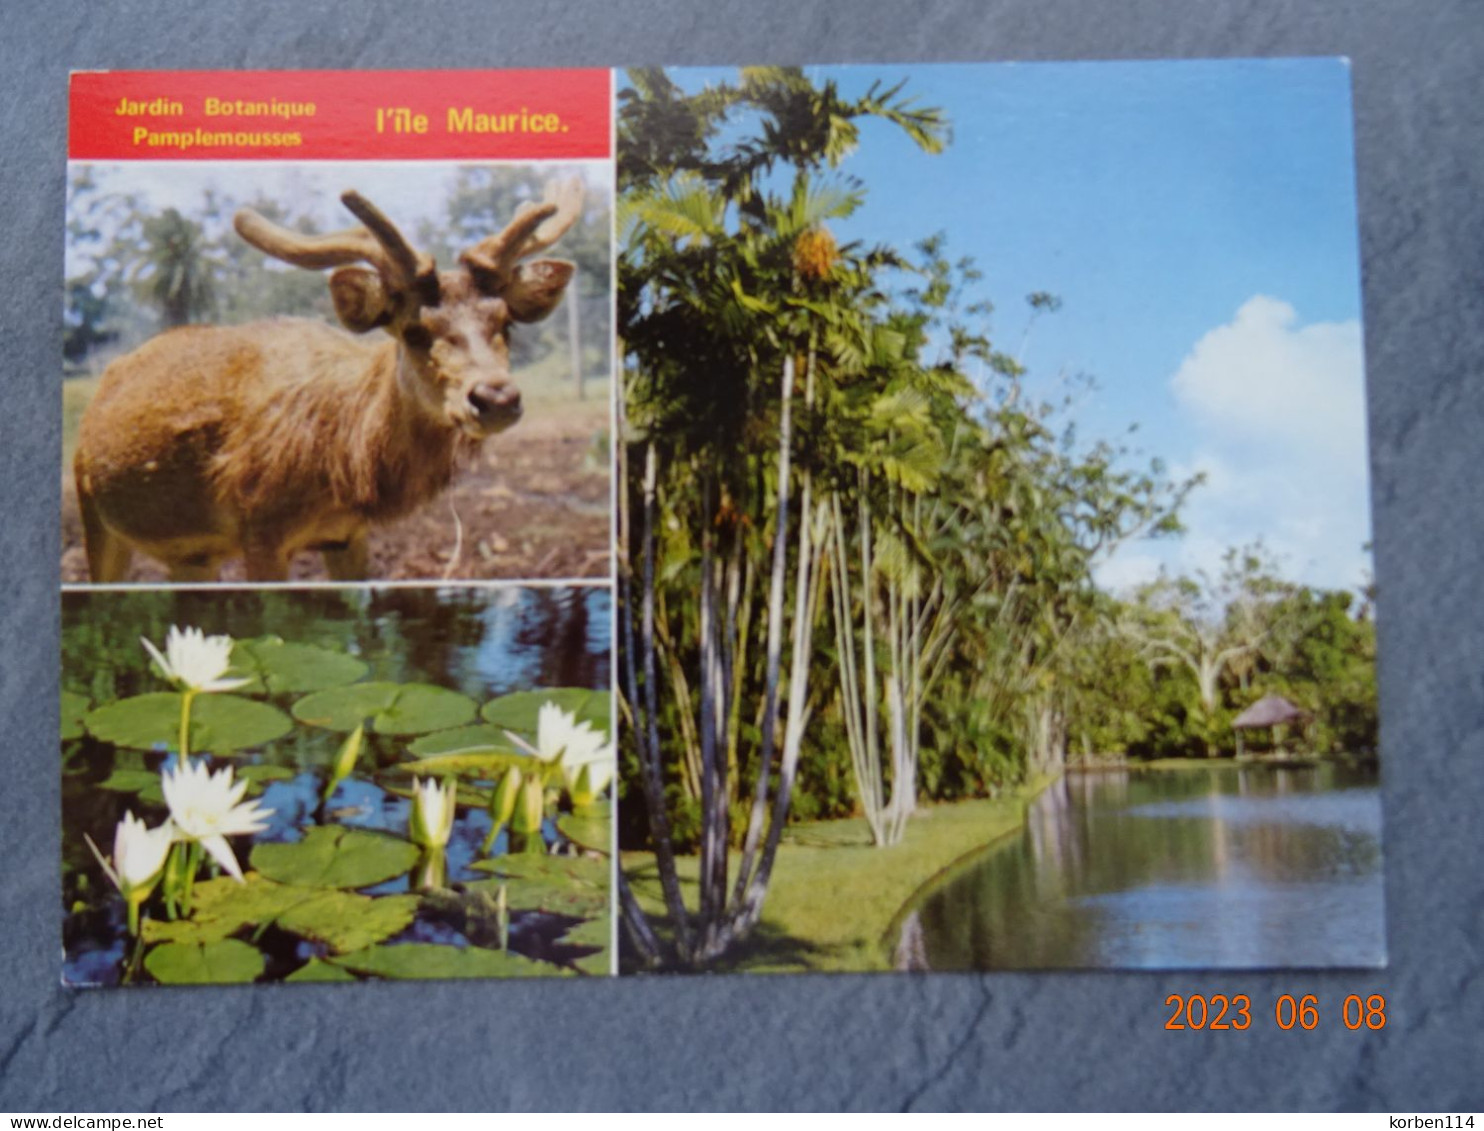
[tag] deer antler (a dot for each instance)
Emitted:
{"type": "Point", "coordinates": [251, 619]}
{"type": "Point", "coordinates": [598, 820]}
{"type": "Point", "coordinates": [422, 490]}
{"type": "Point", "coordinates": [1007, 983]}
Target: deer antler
{"type": "Point", "coordinates": [379, 243]}
{"type": "Point", "coordinates": [534, 228]}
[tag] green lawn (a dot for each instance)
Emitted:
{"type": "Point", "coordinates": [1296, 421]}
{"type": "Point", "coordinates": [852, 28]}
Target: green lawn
{"type": "Point", "coordinates": [833, 897]}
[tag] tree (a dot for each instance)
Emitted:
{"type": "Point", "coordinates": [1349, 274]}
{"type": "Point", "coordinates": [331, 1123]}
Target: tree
{"type": "Point", "coordinates": [1211, 626]}
{"type": "Point", "coordinates": [177, 274]}
{"type": "Point", "coordinates": [714, 319]}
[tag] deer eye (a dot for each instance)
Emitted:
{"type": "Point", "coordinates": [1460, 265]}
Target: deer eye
{"type": "Point", "coordinates": [417, 337]}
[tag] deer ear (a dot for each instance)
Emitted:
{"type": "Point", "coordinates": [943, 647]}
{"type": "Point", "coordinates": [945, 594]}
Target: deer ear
{"type": "Point", "coordinates": [536, 288]}
{"type": "Point", "coordinates": [360, 299]}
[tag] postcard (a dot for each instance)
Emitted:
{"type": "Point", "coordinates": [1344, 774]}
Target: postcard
{"type": "Point", "coordinates": [764, 519]}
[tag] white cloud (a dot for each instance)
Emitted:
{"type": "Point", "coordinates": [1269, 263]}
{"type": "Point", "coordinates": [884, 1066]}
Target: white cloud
{"type": "Point", "coordinates": [1263, 376]}
{"type": "Point", "coordinates": [1273, 413]}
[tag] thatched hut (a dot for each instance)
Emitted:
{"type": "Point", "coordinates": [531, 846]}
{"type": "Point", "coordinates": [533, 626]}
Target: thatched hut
{"type": "Point", "coordinates": [1269, 711]}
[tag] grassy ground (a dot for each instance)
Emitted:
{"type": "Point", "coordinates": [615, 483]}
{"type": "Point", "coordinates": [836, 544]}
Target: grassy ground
{"type": "Point", "coordinates": [833, 897]}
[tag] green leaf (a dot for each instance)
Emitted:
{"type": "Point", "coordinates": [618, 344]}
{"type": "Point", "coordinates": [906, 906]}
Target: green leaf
{"type": "Point", "coordinates": [219, 723]}
{"type": "Point", "coordinates": [346, 922]}
{"type": "Point", "coordinates": [581, 871]}
{"type": "Point", "coordinates": [555, 895]}
{"type": "Point", "coordinates": [142, 782]}
{"type": "Point", "coordinates": [484, 765]}
{"type": "Point", "coordinates": [570, 885]}
{"type": "Point", "coordinates": [594, 932]}
{"type": "Point", "coordinates": [286, 667]}
{"type": "Point", "coordinates": [332, 856]}
{"type": "Point", "coordinates": [590, 828]}
{"type": "Point", "coordinates": [518, 711]}
{"type": "Point", "coordinates": [262, 775]}
{"type": "Point", "coordinates": [74, 707]}
{"type": "Point", "coordinates": [222, 907]}
{"type": "Point", "coordinates": [316, 970]}
{"type": "Point", "coordinates": [343, 921]}
{"type": "Point", "coordinates": [429, 960]}
{"type": "Point", "coordinates": [483, 738]}
{"type": "Point", "coordinates": [393, 708]}
{"type": "Point", "coordinates": [214, 963]}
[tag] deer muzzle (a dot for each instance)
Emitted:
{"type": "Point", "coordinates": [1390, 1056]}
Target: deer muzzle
{"type": "Point", "coordinates": [496, 406]}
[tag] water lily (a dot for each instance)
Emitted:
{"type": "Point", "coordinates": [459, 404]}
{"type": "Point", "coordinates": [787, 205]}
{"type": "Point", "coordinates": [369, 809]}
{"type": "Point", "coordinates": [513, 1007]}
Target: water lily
{"type": "Point", "coordinates": [194, 660]}
{"type": "Point", "coordinates": [585, 756]}
{"type": "Point", "coordinates": [138, 859]}
{"type": "Point", "coordinates": [433, 806]}
{"type": "Point", "coordinates": [560, 737]}
{"type": "Point", "coordinates": [345, 761]}
{"type": "Point", "coordinates": [588, 771]}
{"type": "Point", "coordinates": [207, 808]}
{"type": "Point", "coordinates": [587, 784]}
{"type": "Point", "coordinates": [503, 800]}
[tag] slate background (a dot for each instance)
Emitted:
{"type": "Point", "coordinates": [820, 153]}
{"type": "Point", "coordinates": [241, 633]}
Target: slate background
{"type": "Point", "coordinates": [949, 1041]}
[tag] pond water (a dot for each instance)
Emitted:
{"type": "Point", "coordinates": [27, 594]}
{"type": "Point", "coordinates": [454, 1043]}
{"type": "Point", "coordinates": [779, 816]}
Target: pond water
{"type": "Point", "coordinates": [482, 644]}
{"type": "Point", "coordinates": [1222, 867]}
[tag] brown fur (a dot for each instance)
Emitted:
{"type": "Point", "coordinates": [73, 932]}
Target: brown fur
{"type": "Point", "coordinates": [206, 442]}
{"type": "Point", "coordinates": [262, 440]}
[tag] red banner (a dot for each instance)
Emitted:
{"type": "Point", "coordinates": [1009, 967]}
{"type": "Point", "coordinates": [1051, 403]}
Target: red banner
{"type": "Point", "coordinates": [340, 115]}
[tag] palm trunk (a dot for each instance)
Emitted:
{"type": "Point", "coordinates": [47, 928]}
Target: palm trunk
{"type": "Point", "coordinates": [641, 680]}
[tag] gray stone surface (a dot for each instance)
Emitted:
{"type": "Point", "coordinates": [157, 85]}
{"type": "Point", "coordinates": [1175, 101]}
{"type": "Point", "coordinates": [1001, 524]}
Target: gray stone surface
{"type": "Point", "coordinates": [958, 1042]}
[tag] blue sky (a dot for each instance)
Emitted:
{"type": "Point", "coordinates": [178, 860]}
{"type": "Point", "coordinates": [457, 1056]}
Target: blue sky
{"type": "Point", "coordinates": [1197, 219]}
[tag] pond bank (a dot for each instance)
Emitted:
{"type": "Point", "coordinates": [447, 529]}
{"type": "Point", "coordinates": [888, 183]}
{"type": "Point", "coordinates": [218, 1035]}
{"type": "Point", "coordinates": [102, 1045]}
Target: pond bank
{"type": "Point", "coordinates": [833, 896]}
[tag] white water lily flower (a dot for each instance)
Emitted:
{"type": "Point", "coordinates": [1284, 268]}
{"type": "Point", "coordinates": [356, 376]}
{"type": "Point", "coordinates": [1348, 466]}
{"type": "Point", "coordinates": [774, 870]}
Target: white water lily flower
{"type": "Point", "coordinates": [208, 808]}
{"type": "Point", "coordinates": [195, 660]}
{"type": "Point", "coordinates": [138, 856]}
{"type": "Point", "coordinates": [559, 736]}
{"type": "Point", "coordinates": [433, 807]}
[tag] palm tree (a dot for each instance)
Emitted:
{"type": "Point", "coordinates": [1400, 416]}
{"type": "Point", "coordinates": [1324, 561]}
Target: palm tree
{"type": "Point", "coordinates": [714, 315]}
{"type": "Point", "coordinates": [178, 277]}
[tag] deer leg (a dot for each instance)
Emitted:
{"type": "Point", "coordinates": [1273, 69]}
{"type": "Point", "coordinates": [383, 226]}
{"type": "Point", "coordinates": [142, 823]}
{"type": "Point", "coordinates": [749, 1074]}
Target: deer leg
{"type": "Point", "coordinates": [108, 554]}
{"type": "Point", "coordinates": [193, 569]}
{"type": "Point", "coordinates": [348, 563]}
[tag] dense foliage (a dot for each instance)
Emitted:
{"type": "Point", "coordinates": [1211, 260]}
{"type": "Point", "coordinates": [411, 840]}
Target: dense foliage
{"type": "Point", "coordinates": [856, 555]}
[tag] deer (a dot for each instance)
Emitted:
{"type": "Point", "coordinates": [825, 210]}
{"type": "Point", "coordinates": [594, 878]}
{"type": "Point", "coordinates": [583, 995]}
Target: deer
{"type": "Point", "coordinates": [209, 443]}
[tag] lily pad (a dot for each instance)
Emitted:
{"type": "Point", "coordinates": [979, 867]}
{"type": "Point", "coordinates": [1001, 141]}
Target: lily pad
{"type": "Point", "coordinates": [260, 775]}
{"type": "Point", "coordinates": [227, 961]}
{"type": "Point", "coordinates": [393, 708]}
{"type": "Point", "coordinates": [317, 971]}
{"type": "Point", "coordinates": [346, 922]}
{"type": "Point", "coordinates": [566, 885]}
{"type": "Point", "coordinates": [583, 870]}
{"type": "Point", "coordinates": [553, 897]}
{"type": "Point", "coordinates": [222, 907]}
{"type": "Point", "coordinates": [481, 765]}
{"type": "Point", "coordinates": [219, 723]}
{"type": "Point", "coordinates": [341, 920]}
{"type": "Point", "coordinates": [598, 964]}
{"type": "Point", "coordinates": [333, 856]}
{"type": "Point", "coordinates": [74, 707]}
{"type": "Point", "coordinates": [284, 667]}
{"type": "Point", "coordinates": [518, 711]}
{"type": "Point", "coordinates": [597, 933]}
{"type": "Point", "coordinates": [590, 828]}
{"type": "Point", "coordinates": [594, 932]}
{"type": "Point", "coordinates": [430, 960]}
{"type": "Point", "coordinates": [141, 782]}
{"type": "Point", "coordinates": [482, 738]}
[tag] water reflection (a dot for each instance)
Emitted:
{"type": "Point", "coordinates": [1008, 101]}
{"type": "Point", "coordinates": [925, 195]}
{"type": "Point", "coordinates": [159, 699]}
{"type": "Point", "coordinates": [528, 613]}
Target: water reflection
{"type": "Point", "coordinates": [1246, 866]}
